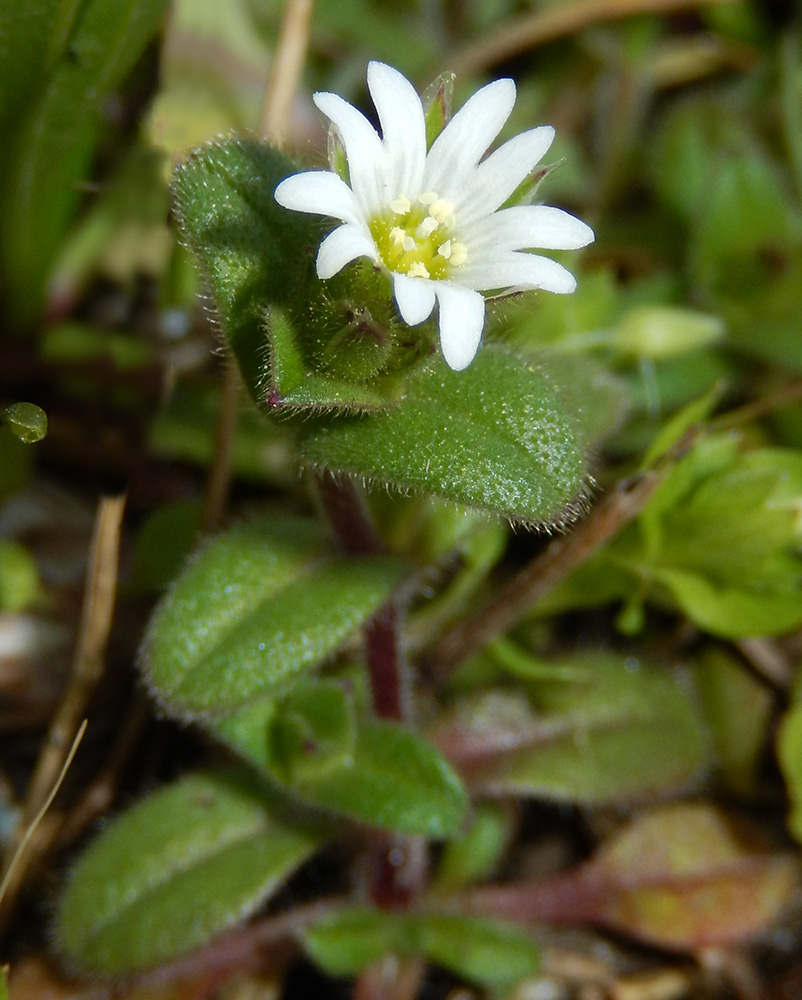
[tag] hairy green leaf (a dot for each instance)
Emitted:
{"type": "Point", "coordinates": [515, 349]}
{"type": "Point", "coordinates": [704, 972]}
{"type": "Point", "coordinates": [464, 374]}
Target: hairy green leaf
{"type": "Point", "coordinates": [174, 871]}
{"type": "Point", "coordinates": [257, 259]}
{"type": "Point", "coordinates": [392, 778]}
{"type": "Point", "coordinates": [623, 731]}
{"type": "Point", "coordinates": [494, 437]}
{"type": "Point", "coordinates": [259, 604]}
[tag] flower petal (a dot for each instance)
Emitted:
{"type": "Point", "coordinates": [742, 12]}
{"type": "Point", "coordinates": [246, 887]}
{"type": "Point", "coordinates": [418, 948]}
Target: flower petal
{"type": "Point", "coordinates": [363, 148]}
{"type": "Point", "coordinates": [525, 227]}
{"type": "Point", "coordinates": [461, 320]}
{"type": "Point", "coordinates": [403, 129]}
{"type": "Point", "coordinates": [456, 151]}
{"type": "Point", "coordinates": [340, 247]}
{"type": "Point", "coordinates": [496, 177]}
{"type": "Point", "coordinates": [319, 192]}
{"type": "Point", "coordinates": [414, 298]}
{"type": "Point", "coordinates": [517, 270]}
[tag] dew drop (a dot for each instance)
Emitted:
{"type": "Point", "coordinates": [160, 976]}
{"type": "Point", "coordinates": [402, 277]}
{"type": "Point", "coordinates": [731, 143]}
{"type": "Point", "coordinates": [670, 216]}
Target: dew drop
{"type": "Point", "coordinates": [27, 421]}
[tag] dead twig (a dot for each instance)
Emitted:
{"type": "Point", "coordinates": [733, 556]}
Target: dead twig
{"type": "Point", "coordinates": [557, 21]}
{"type": "Point", "coordinates": [543, 573]}
{"type": "Point", "coordinates": [87, 669]}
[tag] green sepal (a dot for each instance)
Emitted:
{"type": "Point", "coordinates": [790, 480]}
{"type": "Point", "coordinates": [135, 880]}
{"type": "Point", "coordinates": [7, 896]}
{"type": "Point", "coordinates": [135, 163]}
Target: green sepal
{"type": "Point", "coordinates": [289, 382]}
{"type": "Point", "coordinates": [338, 161]}
{"type": "Point", "coordinates": [495, 437]}
{"type": "Point", "coordinates": [175, 870]}
{"type": "Point", "coordinates": [301, 344]}
{"type": "Point", "coordinates": [258, 605]}
{"type": "Point", "coordinates": [527, 190]}
{"type": "Point", "coordinates": [485, 952]}
{"type": "Point", "coordinates": [436, 102]}
{"type": "Point", "coordinates": [392, 779]}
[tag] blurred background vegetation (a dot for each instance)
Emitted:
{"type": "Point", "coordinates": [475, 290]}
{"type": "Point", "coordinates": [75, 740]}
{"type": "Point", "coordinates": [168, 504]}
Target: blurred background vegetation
{"type": "Point", "coordinates": [679, 136]}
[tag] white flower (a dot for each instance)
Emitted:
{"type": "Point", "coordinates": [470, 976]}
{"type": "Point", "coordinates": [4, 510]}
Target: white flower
{"type": "Point", "coordinates": [433, 219]}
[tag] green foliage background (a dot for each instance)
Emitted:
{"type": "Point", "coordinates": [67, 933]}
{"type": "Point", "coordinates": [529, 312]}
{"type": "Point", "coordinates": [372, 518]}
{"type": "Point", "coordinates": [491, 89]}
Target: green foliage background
{"type": "Point", "coordinates": [653, 679]}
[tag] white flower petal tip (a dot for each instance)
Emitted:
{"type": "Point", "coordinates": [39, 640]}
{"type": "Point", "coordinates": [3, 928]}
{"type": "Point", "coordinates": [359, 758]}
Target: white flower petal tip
{"type": "Point", "coordinates": [433, 218]}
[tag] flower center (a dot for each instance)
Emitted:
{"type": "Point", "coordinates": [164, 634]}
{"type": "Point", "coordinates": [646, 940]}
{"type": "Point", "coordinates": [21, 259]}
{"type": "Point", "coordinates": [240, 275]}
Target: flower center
{"type": "Point", "coordinates": [415, 238]}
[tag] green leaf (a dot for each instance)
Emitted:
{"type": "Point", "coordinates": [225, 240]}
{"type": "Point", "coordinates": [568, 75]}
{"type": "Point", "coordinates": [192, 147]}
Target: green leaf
{"type": "Point", "coordinates": [312, 733]}
{"type": "Point", "coordinates": [258, 605]}
{"type": "Point", "coordinates": [32, 36]}
{"type": "Point", "coordinates": [53, 146]}
{"type": "Point", "coordinates": [392, 779]}
{"type": "Point", "coordinates": [177, 869]}
{"type": "Point", "coordinates": [473, 856]}
{"type": "Point", "coordinates": [397, 781]}
{"type": "Point", "coordinates": [730, 611]}
{"type": "Point", "coordinates": [258, 259]}
{"type": "Point", "coordinates": [252, 252]}
{"type": "Point", "coordinates": [348, 942]}
{"type": "Point", "coordinates": [737, 708]}
{"type": "Point", "coordinates": [624, 731]}
{"type": "Point", "coordinates": [494, 437]}
{"type": "Point", "coordinates": [484, 952]}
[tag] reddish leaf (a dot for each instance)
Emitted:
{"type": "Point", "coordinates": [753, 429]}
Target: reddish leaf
{"type": "Point", "coordinates": [684, 876]}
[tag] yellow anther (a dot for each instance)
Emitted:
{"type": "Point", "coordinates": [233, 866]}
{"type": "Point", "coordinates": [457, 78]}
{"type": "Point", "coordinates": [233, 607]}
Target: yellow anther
{"type": "Point", "coordinates": [427, 227]}
{"type": "Point", "coordinates": [441, 210]}
{"type": "Point", "coordinates": [459, 254]}
{"type": "Point", "coordinates": [398, 235]}
{"type": "Point", "coordinates": [418, 270]}
{"type": "Point", "coordinates": [401, 205]}
{"type": "Point", "coordinates": [410, 243]}
{"type": "Point", "coordinates": [428, 197]}
{"type": "Point", "coordinates": [444, 250]}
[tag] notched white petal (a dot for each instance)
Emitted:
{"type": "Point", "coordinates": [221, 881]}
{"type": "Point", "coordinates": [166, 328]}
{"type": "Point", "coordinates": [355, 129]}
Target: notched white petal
{"type": "Point", "coordinates": [461, 319]}
{"type": "Point", "coordinates": [458, 148]}
{"type": "Point", "coordinates": [318, 192]}
{"type": "Point", "coordinates": [363, 148]}
{"type": "Point", "coordinates": [559, 230]}
{"type": "Point", "coordinates": [526, 227]}
{"type": "Point", "coordinates": [497, 176]}
{"type": "Point", "coordinates": [403, 128]}
{"type": "Point", "coordinates": [518, 270]}
{"type": "Point", "coordinates": [340, 247]}
{"type": "Point", "coordinates": [414, 298]}
{"type": "Point", "coordinates": [482, 247]}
